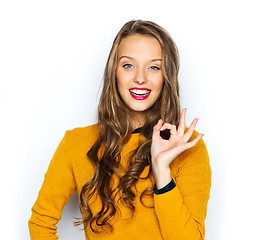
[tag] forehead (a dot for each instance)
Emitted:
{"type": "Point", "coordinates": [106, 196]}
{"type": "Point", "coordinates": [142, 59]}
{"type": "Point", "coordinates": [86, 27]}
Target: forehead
{"type": "Point", "coordinates": [140, 45]}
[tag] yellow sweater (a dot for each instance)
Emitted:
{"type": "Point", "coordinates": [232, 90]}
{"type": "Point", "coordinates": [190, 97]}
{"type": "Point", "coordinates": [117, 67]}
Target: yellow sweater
{"type": "Point", "coordinates": [177, 214]}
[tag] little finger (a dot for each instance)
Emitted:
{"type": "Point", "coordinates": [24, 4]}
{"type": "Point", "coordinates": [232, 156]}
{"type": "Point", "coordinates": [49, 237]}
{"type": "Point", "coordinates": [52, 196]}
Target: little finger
{"type": "Point", "coordinates": [190, 131]}
{"type": "Point", "coordinates": [194, 141]}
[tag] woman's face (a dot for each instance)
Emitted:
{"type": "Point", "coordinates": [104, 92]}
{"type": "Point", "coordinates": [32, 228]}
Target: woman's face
{"type": "Point", "coordinates": [139, 72]}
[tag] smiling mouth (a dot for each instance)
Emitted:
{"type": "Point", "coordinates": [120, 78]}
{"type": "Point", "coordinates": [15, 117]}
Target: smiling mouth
{"type": "Point", "coordinates": [139, 92]}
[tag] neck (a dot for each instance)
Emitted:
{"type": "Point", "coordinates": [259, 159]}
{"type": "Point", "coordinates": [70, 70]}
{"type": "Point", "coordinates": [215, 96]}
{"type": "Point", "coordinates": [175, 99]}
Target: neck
{"type": "Point", "coordinates": [138, 122]}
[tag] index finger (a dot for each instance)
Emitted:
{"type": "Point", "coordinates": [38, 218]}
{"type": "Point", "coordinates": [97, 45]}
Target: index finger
{"type": "Point", "coordinates": [156, 128]}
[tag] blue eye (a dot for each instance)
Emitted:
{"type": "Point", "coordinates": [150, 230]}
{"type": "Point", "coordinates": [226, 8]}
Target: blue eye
{"type": "Point", "coordinates": [127, 65]}
{"type": "Point", "coordinates": [155, 68]}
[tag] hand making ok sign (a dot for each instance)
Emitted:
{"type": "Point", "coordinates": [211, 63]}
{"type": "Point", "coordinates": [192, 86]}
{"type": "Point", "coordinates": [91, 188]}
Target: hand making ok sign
{"type": "Point", "coordinates": [163, 151]}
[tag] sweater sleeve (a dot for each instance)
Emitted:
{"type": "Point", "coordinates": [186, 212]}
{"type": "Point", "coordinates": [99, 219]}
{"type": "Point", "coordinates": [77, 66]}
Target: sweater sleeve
{"type": "Point", "coordinates": [182, 211]}
{"type": "Point", "coordinates": [57, 188]}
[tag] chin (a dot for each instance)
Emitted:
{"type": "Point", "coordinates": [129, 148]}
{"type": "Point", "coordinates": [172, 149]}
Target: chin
{"type": "Point", "coordinates": [140, 109]}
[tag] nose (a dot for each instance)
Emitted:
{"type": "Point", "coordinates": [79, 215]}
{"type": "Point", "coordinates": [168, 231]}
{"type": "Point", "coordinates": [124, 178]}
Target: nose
{"type": "Point", "coordinates": [140, 77]}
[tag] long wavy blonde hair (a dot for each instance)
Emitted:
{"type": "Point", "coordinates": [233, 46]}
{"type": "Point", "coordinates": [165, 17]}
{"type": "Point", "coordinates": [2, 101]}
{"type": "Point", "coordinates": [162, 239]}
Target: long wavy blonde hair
{"type": "Point", "coordinates": [115, 129]}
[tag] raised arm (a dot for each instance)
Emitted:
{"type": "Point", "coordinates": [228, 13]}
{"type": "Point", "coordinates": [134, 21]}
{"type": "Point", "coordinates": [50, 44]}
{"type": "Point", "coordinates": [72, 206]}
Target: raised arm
{"type": "Point", "coordinates": [181, 211]}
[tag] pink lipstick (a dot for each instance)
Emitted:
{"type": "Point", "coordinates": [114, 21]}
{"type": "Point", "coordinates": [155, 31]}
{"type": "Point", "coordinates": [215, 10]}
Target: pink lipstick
{"type": "Point", "coordinates": [140, 93]}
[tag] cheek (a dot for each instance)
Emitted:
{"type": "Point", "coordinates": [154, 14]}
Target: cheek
{"type": "Point", "coordinates": [160, 82]}
{"type": "Point", "coordinates": [119, 76]}
{"type": "Point", "coordinates": [123, 79]}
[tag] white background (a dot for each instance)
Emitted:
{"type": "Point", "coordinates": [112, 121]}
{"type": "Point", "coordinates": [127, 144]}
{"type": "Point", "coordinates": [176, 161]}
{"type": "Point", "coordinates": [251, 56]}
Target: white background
{"type": "Point", "coordinates": [52, 56]}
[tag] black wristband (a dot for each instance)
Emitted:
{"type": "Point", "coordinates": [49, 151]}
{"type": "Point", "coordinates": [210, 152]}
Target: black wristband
{"type": "Point", "coordinates": [165, 189]}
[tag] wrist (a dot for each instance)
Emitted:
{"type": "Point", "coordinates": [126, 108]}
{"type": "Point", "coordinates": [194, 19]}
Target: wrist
{"type": "Point", "coordinates": [162, 175]}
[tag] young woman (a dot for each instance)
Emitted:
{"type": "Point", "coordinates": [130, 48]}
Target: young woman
{"type": "Point", "coordinates": [139, 172]}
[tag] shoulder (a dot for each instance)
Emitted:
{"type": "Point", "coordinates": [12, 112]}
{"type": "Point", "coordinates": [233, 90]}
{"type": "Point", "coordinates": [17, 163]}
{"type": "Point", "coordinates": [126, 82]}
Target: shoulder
{"type": "Point", "coordinates": [91, 129]}
{"type": "Point", "coordinates": [81, 135]}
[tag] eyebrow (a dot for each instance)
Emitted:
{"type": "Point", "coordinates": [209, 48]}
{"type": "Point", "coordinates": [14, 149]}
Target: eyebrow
{"type": "Point", "coordinates": [153, 60]}
{"type": "Point", "coordinates": [125, 57]}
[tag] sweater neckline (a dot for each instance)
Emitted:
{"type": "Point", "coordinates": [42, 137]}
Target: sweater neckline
{"type": "Point", "coordinates": [137, 130]}
{"type": "Point", "coordinates": [142, 130]}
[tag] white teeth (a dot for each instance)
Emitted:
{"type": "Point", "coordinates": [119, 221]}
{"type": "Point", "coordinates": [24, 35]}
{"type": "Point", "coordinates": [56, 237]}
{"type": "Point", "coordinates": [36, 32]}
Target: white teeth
{"type": "Point", "coordinates": [139, 92]}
